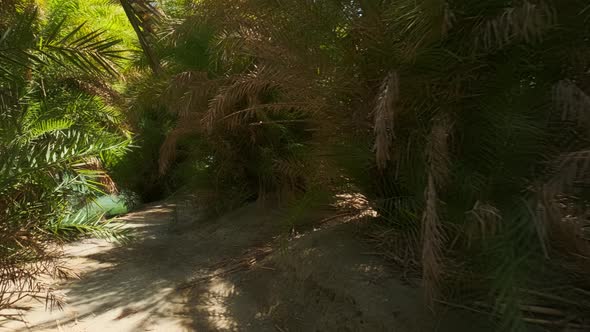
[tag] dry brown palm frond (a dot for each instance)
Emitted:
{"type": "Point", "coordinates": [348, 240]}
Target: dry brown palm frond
{"type": "Point", "coordinates": [432, 242]}
{"type": "Point", "coordinates": [248, 40]}
{"type": "Point", "coordinates": [433, 237]}
{"type": "Point", "coordinates": [484, 221]}
{"type": "Point", "coordinates": [572, 102]}
{"type": "Point", "coordinates": [94, 164]}
{"type": "Point", "coordinates": [417, 24]}
{"type": "Point", "coordinates": [526, 22]}
{"type": "Point", "coordinates": [224, 102]}
{"type": "Point", "coordinates": [189, 126]}
{"type": "Point", "coordinates": [384, 118]}
{"type": "Point", "coordinates": [248, 87]}
{"type": "Point", "coordinates": [571, 169]}
{"type": "Point", "coordinates": [245, 40]}
{"type": "Point", "coordinates": [437, 150]}
{"type": "Point", "coordinates": [569, 235]}
{"type": "Point", "coordinates": [400, 247]}
{"type": "Point", "coordinates": [273, 42]}
{"type": "Point", "coordinates": [22, 275]}
{"type": "Point", "coordinates": [290, 171]}
{"type": "Point", "coordinates": [187, 96]}
{"type": "Point", "coordinates": [245, 115]}
{"type": "Point", "coordinates": [188, 91]}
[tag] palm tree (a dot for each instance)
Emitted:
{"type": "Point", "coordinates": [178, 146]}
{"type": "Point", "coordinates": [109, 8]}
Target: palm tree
{"type": "Point", "coordinates": [52, 135]}
{"type": "Point", "coordinates": [478, 116]}
{"type": "Point", "coordinates": [464, 123]}
{"type": "Point", "coordinates": [143, 15]}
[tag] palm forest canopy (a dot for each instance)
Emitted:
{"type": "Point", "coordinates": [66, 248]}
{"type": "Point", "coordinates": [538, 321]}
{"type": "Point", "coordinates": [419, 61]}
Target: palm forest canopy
{"type": "Point", "coordinates": [465, 125]}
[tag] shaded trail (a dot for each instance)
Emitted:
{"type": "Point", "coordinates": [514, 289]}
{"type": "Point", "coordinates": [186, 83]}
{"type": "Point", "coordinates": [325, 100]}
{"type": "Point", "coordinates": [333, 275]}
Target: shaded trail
{"type": "Point", "coordinates": [133, 287]}
{"type": "Point", "coordinates": [223, 276]}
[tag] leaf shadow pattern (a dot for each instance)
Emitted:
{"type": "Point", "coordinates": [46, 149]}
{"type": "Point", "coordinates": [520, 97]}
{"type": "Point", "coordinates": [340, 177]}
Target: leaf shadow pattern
{"type": "Point", "coordinates": [135, 287]}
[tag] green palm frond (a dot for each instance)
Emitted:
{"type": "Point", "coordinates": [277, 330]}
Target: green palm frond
{"type": "Point", "coordinates": [84, 223]}
{"type": "Point", "coordinates": [47, 126]}
{"type": "Point", "coordinates": [62, 149]}
{"type": "Point", "coordinates": [52, 134]}
{"type": "Point", "coordinates": [15, 41]}
{"type": "Point", "coordinates": [89, 52]}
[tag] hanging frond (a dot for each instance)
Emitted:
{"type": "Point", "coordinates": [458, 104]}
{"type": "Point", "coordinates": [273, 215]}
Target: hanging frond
{"type": "Point", "coordinates": [485, 221]}
{"type": "Point", "coordinates": [94, 165]}
{"type": "Point", "coordinates": [418, 23]}
{"type": "Point", "coordinates": [572, 102]}
{"type": "Point", "coordinates": [384, 117]}
{"type": "Point", "coordinates": [247, 40]}
{"type": "Point", "coordinates": [432, 243]}
{"type": "Point", "coordinates": [248, 115]}
{"type": "Point", "coordinates": [526, 22]}
{"type": "Point", "coordinates": [84, 224]}
{"type": "Point", "coordinates": [249, 86]}
{"type": "Point", "coordinates": [168, 148]}
{"type": "Point", "coordinates": [433, 237]}
{"type": "Point", "coordinates": [89, 52]}
{"type": "Point", "coordinates": [438, 150]}
{"type": "Point", "coordinates": [570, 170]}
{"type": "Point", "coordinates": [52, 136]}
{"type": "Point", "coordinates": [188, 92]}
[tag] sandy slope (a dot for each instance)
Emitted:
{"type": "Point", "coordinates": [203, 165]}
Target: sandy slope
{"type": "Point", "coordinates": [195, 279]}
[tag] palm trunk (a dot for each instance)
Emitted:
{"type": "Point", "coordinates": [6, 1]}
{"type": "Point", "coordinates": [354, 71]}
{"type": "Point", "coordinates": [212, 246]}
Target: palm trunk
{"type": "Point", "coordinates": [153, 60]}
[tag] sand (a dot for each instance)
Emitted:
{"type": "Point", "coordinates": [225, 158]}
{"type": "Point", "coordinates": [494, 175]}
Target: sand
{"type": "Point", "coordinates": [235, 274]}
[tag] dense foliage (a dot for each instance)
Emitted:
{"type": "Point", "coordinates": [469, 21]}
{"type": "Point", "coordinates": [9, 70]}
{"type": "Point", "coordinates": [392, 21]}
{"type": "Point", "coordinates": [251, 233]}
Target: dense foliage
{"type": "Point", "coordinates": [465, 124]}
{"type": "Point", "coordinates": [55, 132]}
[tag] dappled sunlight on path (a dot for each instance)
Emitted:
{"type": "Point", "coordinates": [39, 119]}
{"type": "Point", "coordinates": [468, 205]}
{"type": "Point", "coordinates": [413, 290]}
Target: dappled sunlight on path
{"type": "Point", "coordinates": [234, 274]}
{"type": "Point", "coordinates": [134, 287]}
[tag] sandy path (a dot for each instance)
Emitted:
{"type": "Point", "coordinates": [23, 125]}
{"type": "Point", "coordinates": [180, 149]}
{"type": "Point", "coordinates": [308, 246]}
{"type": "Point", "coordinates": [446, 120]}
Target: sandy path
{"type": "Point", "coordinates": [133, 287]}
{"type": "Point", "coordinates": [323, 281]}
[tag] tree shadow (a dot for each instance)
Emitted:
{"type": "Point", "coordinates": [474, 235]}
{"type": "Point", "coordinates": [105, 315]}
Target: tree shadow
{"type": "Point", "coordinates": [320, 282]}
{"type": "Point", "coordinates": [135, 285]}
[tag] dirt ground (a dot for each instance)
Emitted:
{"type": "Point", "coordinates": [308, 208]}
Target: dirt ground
{"type": "Point", "coordinates": [232, 274]}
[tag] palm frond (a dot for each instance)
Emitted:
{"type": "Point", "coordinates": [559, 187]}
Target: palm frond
{"type": "Point", "coordinates": [89, 52]}
{"type": "Point", "coordinates": [384, 115]}
{"type": "Point", "coordinates": [168, 148]}
{"type": "Point", "coordinates": [527, 21]}
{"type": "Point", "coordinates": [50, 144]}
{"type": "Point", "coordinates": [572, 102]}
{"type": "Point", "coordinates": [48, 126]}
{"type": "Point", "coordinates": [84, 223]}
{"type": "Point", "coordinates": [433, 238]}
{"type": "Point", "coordinates": [484, 221]}
{"type": "Point", "coordinates": [432, 243]}
{"type": "Point", "coordinates": [249, 86]}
